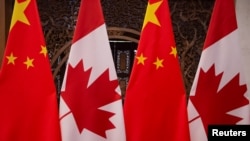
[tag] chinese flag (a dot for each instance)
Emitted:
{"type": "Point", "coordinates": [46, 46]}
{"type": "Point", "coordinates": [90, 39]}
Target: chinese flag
{"type": "Point", "coordinates": [155, 105]}
{"type": "Point", "coordinates": [28, 103]}
{"type": "Point", "coordinates": [219, 94]}
{"type": "Point", "coordinates": [90, 104]}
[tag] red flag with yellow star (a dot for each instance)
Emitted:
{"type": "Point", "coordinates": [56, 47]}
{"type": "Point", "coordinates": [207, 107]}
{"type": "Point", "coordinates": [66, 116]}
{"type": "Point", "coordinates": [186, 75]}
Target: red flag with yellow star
{"type": "Point", "coordinates": [155, 104]}
{"type": "Point", "coordinates": [28, 101]}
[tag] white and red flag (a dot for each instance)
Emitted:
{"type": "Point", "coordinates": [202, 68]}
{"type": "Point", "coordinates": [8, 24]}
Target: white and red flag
{"type": "Point", "coordinates": [219, 94]}
{"type": "Point", "coordinates": [90, 103]}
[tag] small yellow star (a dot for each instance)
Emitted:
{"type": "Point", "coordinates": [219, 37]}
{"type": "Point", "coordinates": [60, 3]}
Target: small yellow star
{"type": "Point", "coordinates": [11, 59]}
{"type": "Point", "coordinates": [173, 51]}
{"type": "Point", "coordinates": [150, 14]}
{"type": "Point", "coordinates": [29, 62]}
{"type": "Point", "coordinates": [141, 59]}
{"type": "Point", "coordinates": [44, 51]}
{"type": "Point", "coordinates": [158, 63]}
{"type": "Point", "coordinates": [18, 13]}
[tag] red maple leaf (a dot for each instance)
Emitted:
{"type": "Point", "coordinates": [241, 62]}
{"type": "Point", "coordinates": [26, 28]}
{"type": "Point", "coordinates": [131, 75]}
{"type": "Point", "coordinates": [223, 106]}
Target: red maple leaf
{"type": "Point", "coordinates": [84, 102]}
{"type": "Point", "coordinates": [213, 105]}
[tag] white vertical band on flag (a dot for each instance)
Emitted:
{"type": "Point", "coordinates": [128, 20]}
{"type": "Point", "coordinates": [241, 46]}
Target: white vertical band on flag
{"type": "Point", "coordinates": [92, 46]}
{"type": "Point", "coordinates": [224, 50]}
{"type": "Point", "coordinates": [222, 54]}
{"type": "Point", "coordinates": [95, 51]}
{"type": "Point", "coordinates": [70, 131]}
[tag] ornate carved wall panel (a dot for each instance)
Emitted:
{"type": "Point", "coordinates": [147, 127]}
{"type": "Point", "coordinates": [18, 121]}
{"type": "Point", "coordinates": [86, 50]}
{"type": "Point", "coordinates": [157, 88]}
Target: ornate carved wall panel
{"type": "Point", "coordinates": [58, 19]}
{"type": "Point", "coordinates": [190, 22]}
{"type": "Point", "coordinates": [124, 13]}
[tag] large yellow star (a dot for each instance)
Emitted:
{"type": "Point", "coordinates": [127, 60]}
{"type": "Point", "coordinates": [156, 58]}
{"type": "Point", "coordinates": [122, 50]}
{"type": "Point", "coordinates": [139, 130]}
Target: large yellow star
{"type": "Point", "coordinates": [18, 13]}
{"type": "Point", "coordinates": [11, 59]}
{"type": "Point", "coordinates": [150, 14]}
{"type": "Point", "coordinates": [173, 51]}
{"type": "Point", "coordinates": [29, 62]}
{"type": "Point", "coordinates": [158, 63]}
{"type": "Point", "coordinates": [44, 50]}
{"type": "Point", "coordinates": [141, 59]}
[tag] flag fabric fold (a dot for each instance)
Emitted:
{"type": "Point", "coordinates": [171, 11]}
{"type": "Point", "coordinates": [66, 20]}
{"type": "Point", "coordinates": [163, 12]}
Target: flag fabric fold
{"type": "Point", "coordinates": [219, 94]}
{"type": "Point", "coordinates": [29, 109]}
{"type": "Point", "coordinates": [90, 102]}
{"type": "Point", "coordinates": [155, 102]}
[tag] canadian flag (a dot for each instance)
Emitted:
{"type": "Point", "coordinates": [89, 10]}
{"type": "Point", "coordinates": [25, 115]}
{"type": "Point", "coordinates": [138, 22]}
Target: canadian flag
{"type": "Point", "coordinates": [219, 94]}
{"type": "Point", "coordinates": [90, 103]}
